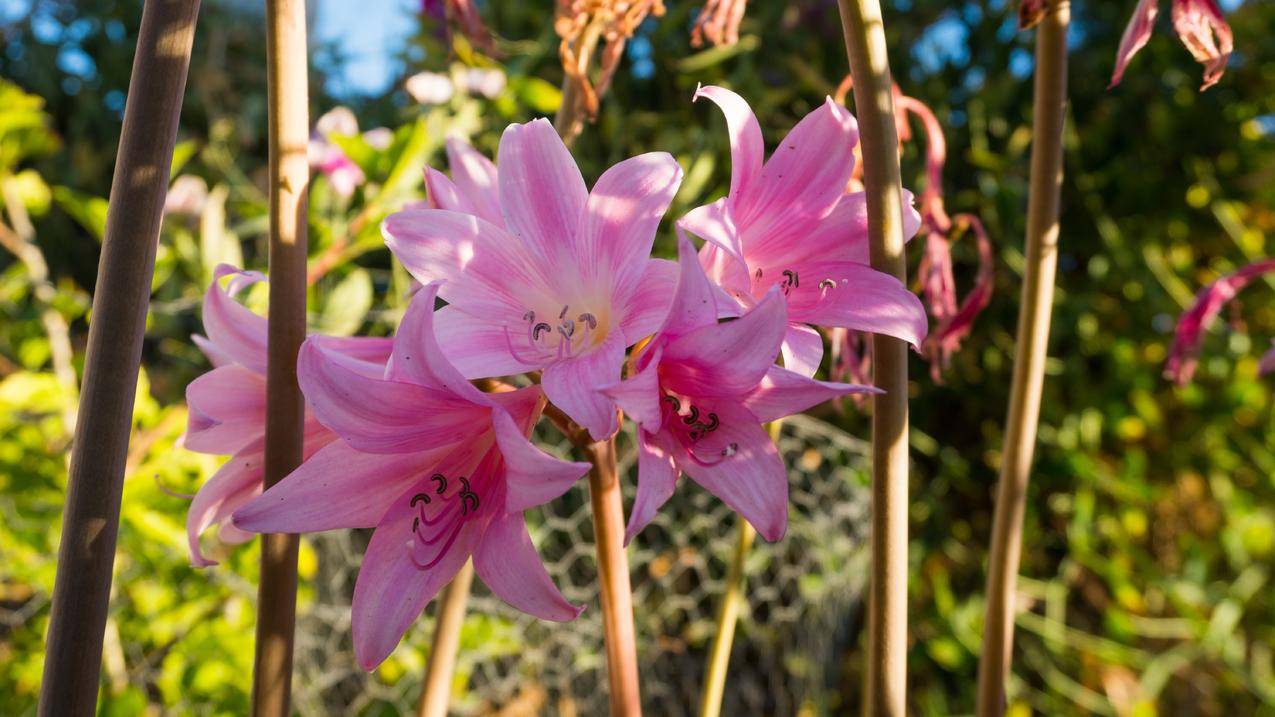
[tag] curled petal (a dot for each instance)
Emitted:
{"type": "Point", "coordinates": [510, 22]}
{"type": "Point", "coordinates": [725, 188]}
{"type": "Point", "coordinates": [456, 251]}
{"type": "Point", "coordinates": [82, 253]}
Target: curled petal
{"type": "Point", "coordinates": [236, 483]}
{"type": "Point", "coordinates": [657, 478]}
{"type": "Point", "coordinates": [952, 329]}
{"type": "Point", "coordinates": [508, 563]}
{"type": "Point", "coordinates": [227, 410]}
{"type": "Point", "coordinates": [532, 476]}
{"type": "Point", "coordinates": [1183, 354]}
{"type": "Point", "coordinates": [747, 149]}
{"type": "Point", "coordinates": [1135, 37]}
{"type": "Point", "coordinates": [1200, 25]}
{"type": "Point", "coordinates": [236, 332]}
{"type": "Point", "coordinates": [728, 358]}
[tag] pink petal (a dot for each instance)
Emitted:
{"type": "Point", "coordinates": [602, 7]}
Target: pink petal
{"type": "Point", "coordinates": [747, 149]}
{"type": "Point", "coordinates": [542, 193]}
{"type": "Point", "coordinates": [487, 271]}
{"type": "Point", "coordinates": [381, 416]}
{"type": "Point", "coordinates": [572, 383]}
{"type": "Point", "coordinates": [727, 272]}
{"type": "Point", "coordinates": [367, 354]}
{"type": "Point", "coordinates": [855, 296]}
{"type": "Point", "coordinates": [639, 396]}
{"type": "Point", "coordinates": [802, 349]}
{"type": "Point", "coordinates": [621, 216]}
{"type": "Point", "coordinates": [783, 393]}
{"type": "Point", "coordinates": [532, 477]}
{"type": "Point", "coordinates": [728, 358]}
{"type": "Point", "coordinates": [802, 181]}
{"type": "Point", "coordinates": [475, 177]}
{"type": "Point", "coordinates": [479, 348]}
{"type": "Point", "coordinates": [338, 487]}
{"type": "Point", "coordinates": [648, 303]}
{"type": "Point", "coordinates": [751, 479]}
{"type": "Point", "coordinates": [657, 478]}
{"type": "Point", "coordinates": [694, 302]}
{"type": "Point", "coordinates": [238, 333]}
{"type": "Point", "coordinates": [1135, 37]}
{"type": "Point", "coordinates": [441, 193]}
{"type": "Point", "coordinates": [234, 484]}
{"type": "Point", "coordinates": [216, 356]}
{"type": "Point", "coordinates": [417, 357]}
{"type": "Point", "coordinates": [509, 564]}
{"type": "Point", "coordinates": [391, 590]}
{"type": "Point", "coordinates": [714, 224]}
{"type": "Point", "coordinates": [1200, 25]}
{"type": "Point", "coordinates": [1189, 335]}
{"type": "Point", "coordinates": [227, 410]}
{"type": "Point", "coordinates": [523, 406]}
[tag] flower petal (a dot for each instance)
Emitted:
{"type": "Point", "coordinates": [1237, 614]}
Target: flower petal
{"type": "Point", "coordinates": [227, 410]}
{"type": "Point", "coordinates": [657, 478]}
{"type": "Point", "coordinates": [391, 589]}
{"type": "Point", "coordinates": [639, 396]}
{"type": "Point", "coordinates": [1207, 36]}
{"type": "Point", "coordinates": [542, 194]}
{"type": "Point", "coordinates": [728, 358]}
{"type": "Point", "coordinates": [237, 332]}
{"type": "Point", "coordinates": [572, 383]}
{"type": "Point", "coordinates": [532, 477]}
{"type": "Point", "coordinates": [751, 479]}
{"type": "Point", "coordinates": [1135, 37]}
{"type": "Point", "coordinates": [381, 416]}
{"type": "Point", "coordinates": [747, 149]}
{"type": "Point", "coordinates": [783, 393]}
{"type": "Point", "coordinates": [234, 484]}
{"type": "Point", "coordinates": [621, 216]}
{"type": "Point", "coordinates": [508, 563]}
{"type": "Point", "coordinates": [714, 224]}
{"type": "Point", "coordinates": [694, 303]}
{"type": "Point", "coordinates": [476, 347]}
{"type": "Point", "coordinates": [648, 303]}
{"type": "Point", "coordinates": [856, 296]}
{"type": "Point", "coordinates": [417, 357]}
{"type": "Point", "coordinates": [338, 487]}
{"type": "Point", "coordinates": [441, 193]}
{"type": "Point", "coordinates": [475, 177]}
{"type": "Point", "coordinates": [802, 349]}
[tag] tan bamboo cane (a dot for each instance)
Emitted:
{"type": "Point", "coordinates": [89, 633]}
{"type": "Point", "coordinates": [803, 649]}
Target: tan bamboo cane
{"type": "Point", "coordinates": [436, 694]}
{"type": "Point", "coordinates": [886, 682]}
{"type": "Point", "coordinates": [1048, 112]}
{"type": "Point", "coordinates": [288, 110]}
{"type": "Point", "coordinates": [86, 555]}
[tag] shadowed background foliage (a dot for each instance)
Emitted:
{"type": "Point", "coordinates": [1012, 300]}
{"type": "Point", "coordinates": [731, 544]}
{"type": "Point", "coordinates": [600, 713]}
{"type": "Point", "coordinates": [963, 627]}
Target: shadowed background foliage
{"type": "Point", "coordinates": [1150, 535]}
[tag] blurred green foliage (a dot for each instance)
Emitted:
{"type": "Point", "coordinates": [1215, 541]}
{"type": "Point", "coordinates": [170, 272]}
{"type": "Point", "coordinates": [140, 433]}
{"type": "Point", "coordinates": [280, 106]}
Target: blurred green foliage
{"type": "Point", "coordinates": [1150, 537]}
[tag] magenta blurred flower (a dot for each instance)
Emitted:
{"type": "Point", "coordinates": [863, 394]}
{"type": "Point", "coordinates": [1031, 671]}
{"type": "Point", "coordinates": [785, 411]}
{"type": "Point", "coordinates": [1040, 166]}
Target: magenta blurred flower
{"type": "Point", "coordinates": [1185, 350]}
{"type": "Point", "coordinates": [441, 470]}
{"type": "Point", "coordinates": [325, 156]}
{"type": "Point", "coordinates": [227, 406]}
{"type": "Point", "coordinates": [787, 222]}
{"type": "Point", "coordinates": [565, 284]}
{"type": "Point", "coordinates": [1199, 24]}
{"type": "Point", "coordinates": [464, 15]}
{"type": "Point", "coordinates": [700, 395]}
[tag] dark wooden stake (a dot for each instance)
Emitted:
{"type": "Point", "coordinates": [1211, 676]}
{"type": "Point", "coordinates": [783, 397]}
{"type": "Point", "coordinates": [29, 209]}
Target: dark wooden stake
{"type": "Point", "coordinates": [86, 556]}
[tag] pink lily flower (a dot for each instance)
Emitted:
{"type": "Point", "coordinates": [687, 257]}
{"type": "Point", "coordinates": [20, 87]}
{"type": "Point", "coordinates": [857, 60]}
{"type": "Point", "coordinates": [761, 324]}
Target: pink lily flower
{"type": "Point", "coordinates": [788, 223]}
{"type": "Point", "coordinates": [700, 395]}
{"type": "Point", "coordinates": [1199, 24]}
{"type": "Point", "coordinates": [564, 285]}
{"type": "Point", "coordinates": [441, 470]}
{"type": "Point", "coordinates": [328, 158]}
{"type": "Point", "coordinates": [227, 406]}
{"type": "Point", "coordinates": [473, 187]}
{"type": "Point", "coordinates": [1189, 335]}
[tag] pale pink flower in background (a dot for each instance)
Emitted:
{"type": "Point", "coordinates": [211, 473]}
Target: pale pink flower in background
{"type": "Point", "coordinates": [187, 195]}
{"type": "Point", "coordinates": [564, 284]}
{"type": "Point", "coordinates": [440, 469]}
{"type": "Point", "coordinates": [227, 406]}
{"type": "Point", "coordinates": [1199, 24]}
{"type": "Point", "coordinates": [379, 138]}
{"type": "Point", "coordinates": [1189, 335]}
{"type": "Point", "coordinates": [700, 395]}
{"type": "Point", "coordinates": [430, 88]}
{"type": "Point", "coordinates": [489, 82]}
{"type": "Point", "coordinates": [787, 222]}
{"type": "Point", "coordinates": [326, 157]}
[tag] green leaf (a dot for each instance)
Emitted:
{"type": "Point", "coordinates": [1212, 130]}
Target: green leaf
{"type": "Point", "coordinates": [89, 211]}
{"type": "Point", "coordinates": [347, 305]}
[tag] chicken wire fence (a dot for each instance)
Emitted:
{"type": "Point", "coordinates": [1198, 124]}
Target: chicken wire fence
{"type": "Point", "coordinates": [803, 599]}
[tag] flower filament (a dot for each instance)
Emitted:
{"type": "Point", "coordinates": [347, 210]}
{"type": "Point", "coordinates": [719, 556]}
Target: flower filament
{"type": "Point", "coordinates": [689, 426]}
{"type": "Point", "coordinates": [552, 341]}
{"type": "Point", "coordinates": [435, 533]}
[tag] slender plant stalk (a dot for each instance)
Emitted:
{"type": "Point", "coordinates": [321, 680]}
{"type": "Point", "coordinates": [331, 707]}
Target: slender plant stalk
{"type": "Point", "coordinates": [710, 704]}
{"type": "Point", "coordinates": [886, 682]}
{"type": "Point", "coordinates": [289, 130]}
{"type": "Point", "coordinates": [613, 574]}
{"type": "Point", "coordinates": [86, 556]}
{"type": "Point", "coordinates": [1048, 112]}
{"type": "Point", "coordinates": [442, 654]}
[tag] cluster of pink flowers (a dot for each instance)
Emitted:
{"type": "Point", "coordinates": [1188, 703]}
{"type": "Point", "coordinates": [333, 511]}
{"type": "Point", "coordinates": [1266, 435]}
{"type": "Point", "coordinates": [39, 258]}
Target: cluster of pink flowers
{"type": "Point", "coordinates": [548, 280]}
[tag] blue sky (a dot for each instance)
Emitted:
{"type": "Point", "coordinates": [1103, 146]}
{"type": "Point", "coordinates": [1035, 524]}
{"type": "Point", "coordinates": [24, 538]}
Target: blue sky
{"type": "Point", "coordinates": [369, 33]}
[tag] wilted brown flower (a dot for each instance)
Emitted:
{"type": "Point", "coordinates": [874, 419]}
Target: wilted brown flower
{"type": "Point", "coordinates": [718, 21]}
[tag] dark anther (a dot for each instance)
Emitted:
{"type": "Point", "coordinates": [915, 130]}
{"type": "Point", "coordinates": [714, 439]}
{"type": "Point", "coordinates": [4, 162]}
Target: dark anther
{"type": "Point", "coordinates": [758, 274]}
{"type": "Point", "coordinates": [672, 401]}
{"type": "Point", "coordinates": [419, 498]}
{"type": "Point", "coordinates": [464, 485]}
{"type": "Point", "coordinates": [827, 284]}
{"type": "Point", "coordinates": [693, 417]}
{"type": "Point", "coordinates": [589, 319]}
{"type": "Point", "coordinates": [712, 423]}
{"type": "Point", "coordinates": [792, 279]}
{"type": "Point", "coordinates": [562, 314]}
{"type": "Point", "coordinates": [529, 316]}
{"type": "Point", "coordinates": [538, 329]}
{"type": "Point", "coordinates": [464, 503]}
{"type": "Point", "coordinates": [416, 524]}
{"type": "Point", "coordinates": [442, 482]}
{"type": "Point", "coordinates": [568, 328]}
{"type": "Point", "coordinates": [695, 436]}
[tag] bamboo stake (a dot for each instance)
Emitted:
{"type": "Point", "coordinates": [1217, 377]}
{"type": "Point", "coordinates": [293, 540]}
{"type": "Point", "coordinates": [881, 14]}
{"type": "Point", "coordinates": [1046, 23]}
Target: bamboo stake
{"type": "Point", "coordinates": [886, 683]}
{"type": "Point", "coordinates": [1048, 112]}
{"type": "Point", "coordinates": [613, 575]}
{"type": "Point", "coordinates": [437, 691]}
{"type": "Point", "coordinates": [285, 408]}
{"type": "Point", "coordinates": [86, 555]}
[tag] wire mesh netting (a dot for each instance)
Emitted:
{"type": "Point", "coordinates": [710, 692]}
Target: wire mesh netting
{"type": "Point", "coordinates": [803, 604]}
